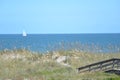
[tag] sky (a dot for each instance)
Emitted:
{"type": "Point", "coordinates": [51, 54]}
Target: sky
{"type": "Point", "coordinates": [59, 16]}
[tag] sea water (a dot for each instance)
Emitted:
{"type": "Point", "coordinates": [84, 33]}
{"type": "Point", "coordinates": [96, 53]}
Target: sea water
{"type": "Point", "coordinates": [104, 43]}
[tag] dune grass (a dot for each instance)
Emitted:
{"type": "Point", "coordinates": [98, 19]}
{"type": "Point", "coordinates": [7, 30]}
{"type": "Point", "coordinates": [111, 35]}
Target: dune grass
{"type": "Point", "coordinates": [26, 65]}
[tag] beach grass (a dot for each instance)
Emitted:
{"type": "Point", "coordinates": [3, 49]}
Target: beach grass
{"type": "Point", "coordinates": [26, 65]}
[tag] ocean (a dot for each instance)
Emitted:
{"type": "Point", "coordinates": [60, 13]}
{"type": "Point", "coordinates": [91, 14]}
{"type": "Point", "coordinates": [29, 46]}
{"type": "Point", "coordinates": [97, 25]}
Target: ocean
{"type": "Point", "coordinates": [97, 43]}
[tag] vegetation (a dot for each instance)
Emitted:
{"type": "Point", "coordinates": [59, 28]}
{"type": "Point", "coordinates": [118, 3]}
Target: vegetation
{"type": "Point", "coordinates": [26, 65]}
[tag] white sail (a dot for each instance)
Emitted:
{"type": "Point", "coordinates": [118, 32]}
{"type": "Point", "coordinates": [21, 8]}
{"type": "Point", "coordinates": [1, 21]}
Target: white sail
{"type": "Point", "coordinates": [24, 33]}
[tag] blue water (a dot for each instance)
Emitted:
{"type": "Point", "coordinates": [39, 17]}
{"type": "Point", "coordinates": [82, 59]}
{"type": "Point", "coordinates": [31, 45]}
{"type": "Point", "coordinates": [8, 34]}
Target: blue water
{"type": "Point", "coordinates": [51, 42]}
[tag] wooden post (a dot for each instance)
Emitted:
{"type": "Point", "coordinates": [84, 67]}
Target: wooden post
{"type": "Point", "coordinates": [89, 68]}
{"type": "Point", "coordinates": [78, 70]}
{"type": "Point", "coordinates": [113, 64]}
{"type": "Point", "coordinates": [101, 66]}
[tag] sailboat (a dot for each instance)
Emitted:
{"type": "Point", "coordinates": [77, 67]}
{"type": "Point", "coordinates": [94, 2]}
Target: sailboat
{"type": "Point", "coordinates": [24, 34]}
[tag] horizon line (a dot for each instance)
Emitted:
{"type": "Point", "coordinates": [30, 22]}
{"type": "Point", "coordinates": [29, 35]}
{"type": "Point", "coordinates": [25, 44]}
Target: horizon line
{"type": "Point", "coordinates": [53, 33]}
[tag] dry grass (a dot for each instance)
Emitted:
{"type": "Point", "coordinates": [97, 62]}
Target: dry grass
{"type": "Point", "coordinates": [25, 65]}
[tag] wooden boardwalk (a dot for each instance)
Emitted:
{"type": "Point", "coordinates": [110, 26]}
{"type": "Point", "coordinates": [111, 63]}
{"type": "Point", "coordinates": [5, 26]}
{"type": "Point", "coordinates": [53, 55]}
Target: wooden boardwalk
{"type": "Point", "coordinates": [105, 65]}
